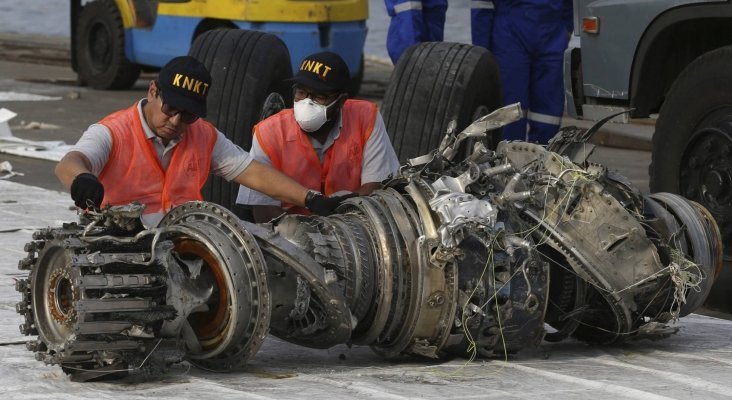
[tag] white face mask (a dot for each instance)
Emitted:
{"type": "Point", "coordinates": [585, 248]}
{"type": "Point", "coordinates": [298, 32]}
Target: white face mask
{"type": "Point", "coordinates": [310, 115]}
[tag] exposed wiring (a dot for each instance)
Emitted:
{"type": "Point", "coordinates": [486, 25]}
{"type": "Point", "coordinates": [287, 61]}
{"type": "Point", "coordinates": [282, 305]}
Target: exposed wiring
{"type": "Point", "coordinates": [107, 371]}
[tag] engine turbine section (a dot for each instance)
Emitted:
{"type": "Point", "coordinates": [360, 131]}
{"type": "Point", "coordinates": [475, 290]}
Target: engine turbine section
{"type": "Point", "coordinates": [473, 257]}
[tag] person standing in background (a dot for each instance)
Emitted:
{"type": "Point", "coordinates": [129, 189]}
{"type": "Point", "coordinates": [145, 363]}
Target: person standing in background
{"type": "Point", "coordinates": [528, 39]}
{"type": "Point", "coordinates": [481, 22]}
{"type": "Point", "coordinates": [413, 22]}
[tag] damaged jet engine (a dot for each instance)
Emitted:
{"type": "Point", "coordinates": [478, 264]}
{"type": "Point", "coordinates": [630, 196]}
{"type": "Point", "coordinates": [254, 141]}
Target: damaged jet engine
{"type": "Point", "coordinates": [470, 257]}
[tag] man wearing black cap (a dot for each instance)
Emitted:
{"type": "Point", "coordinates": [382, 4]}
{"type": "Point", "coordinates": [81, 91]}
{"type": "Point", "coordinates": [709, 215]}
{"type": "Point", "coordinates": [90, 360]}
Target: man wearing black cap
{"type": "Point", "coordinates": [327, 143]}
{"type": "Point", "coordinates": [159, 152]}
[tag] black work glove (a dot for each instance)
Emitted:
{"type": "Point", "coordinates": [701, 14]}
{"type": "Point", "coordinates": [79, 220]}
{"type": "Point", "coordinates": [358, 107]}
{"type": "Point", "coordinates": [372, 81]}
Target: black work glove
{"type": "Point", "coordinates": [324, 206]}
{"type": "Point", "coordinates": [86, 190]}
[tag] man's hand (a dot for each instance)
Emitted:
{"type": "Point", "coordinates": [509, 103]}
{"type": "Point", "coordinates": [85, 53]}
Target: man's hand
{"type": "Point", "coordinates": [324, 206]}
{"type": "Point", "coordinates": [86, 191]}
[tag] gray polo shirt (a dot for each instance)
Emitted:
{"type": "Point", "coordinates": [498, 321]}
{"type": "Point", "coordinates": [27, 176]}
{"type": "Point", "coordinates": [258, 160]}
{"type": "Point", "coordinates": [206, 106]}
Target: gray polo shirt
{"type": "Point", "coordinates": [379, 160]}
{"type": "Point", "coordinates": [227, 159]}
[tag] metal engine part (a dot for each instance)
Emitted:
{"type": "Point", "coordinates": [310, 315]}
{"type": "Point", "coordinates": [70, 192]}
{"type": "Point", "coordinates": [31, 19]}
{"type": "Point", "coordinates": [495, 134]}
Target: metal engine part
{"type": "Point", "coordinates": [472, 257]}
{"type": "Point", "coordinates": [105, 300]}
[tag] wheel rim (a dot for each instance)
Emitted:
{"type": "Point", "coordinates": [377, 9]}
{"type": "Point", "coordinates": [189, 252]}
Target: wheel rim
{"type": "Point", "coordinates": [61, 296]}
{"type": "Point", "coordinates": [99, 47]}
{"type": "Point", "coordinates": [211, 327]}
{"type": "Point", "coordinates": [54, 303]}
{"type": "Point", "coordinates": [706, 169]}
{"type": "Point", "coordinates": [702, 249]}
{"type": "Point", "coordinates": [234, 327]}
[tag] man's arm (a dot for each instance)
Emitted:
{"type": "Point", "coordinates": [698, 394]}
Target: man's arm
{"type": "Point", "coordinates": [89, 155]}
{"type": "Point", "coordinates": [71, 165]}
{"type": "Point", "coordinates": [273, 183]}
{"type": "Point", "coordinates": [379, 159]}
{"type": "Point", "coordinates": [368, 187]}
{"type": "Point", "coordinates": [78, 169]}
{"type": "Point", "coordinates": [269, 181]}
{"type": "Point", "coordinates": [74, 172]}
{"type": "Point", "coordinates": [264, 208]}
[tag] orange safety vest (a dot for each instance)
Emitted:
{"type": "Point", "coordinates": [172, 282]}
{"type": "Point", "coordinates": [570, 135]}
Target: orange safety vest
{"type": "Point", "coordinates": [291, 152]}
{"type": "Point", "coordinates": [133, 171]}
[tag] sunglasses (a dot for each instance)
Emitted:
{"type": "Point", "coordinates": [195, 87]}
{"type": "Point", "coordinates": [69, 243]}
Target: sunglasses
{"type": "Point", "coordinates": [300, 93]}
{"type": "Point", "coordinates": [185, 116]}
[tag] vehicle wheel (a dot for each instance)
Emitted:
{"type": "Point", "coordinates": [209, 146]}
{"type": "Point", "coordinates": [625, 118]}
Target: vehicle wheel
{"type": "Point", "coordinates": [434, 83]}
{"type": "Point", "coordinates": [100, 48]}
{"type": "Point", "coordinates": [703, 254]}
{"type": "Point", "coordinates": [245, 66]}
{"type": "Point", "coordinates": [355, 86]}
{"type": "Point", "coordinates": [692, 145]}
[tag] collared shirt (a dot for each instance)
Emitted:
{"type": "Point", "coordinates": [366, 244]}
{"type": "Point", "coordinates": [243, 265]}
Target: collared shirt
{"type": "Point", "coordinates": [227, 159]}
{"type": "Point", "coordinates": [379, 160]}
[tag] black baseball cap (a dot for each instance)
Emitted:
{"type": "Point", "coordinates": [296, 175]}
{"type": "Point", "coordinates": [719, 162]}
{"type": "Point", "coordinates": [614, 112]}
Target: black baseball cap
{"type": "Point", "coordinates": [185, 82]}
{"type": "Point", "coordinates": [324, 72]}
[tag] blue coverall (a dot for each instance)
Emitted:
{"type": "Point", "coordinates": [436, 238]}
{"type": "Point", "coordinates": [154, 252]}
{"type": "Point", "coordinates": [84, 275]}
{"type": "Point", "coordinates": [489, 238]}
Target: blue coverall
{"type": "Point", "coordinates": [528, 39]}
{"type": "Point", "coordinates": [413, 22]}
{"type": "Point", "coordinates": [481, 22]}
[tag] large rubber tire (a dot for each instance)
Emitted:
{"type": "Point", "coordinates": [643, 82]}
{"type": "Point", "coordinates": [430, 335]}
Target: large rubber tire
{"type": "Point", "coordinates": [692, 146]}
{"type": "Point", "coordinates": [434, 83]}
{"type": "Point", "coordinates": [354, 86]}
{"type": "Point", "coordinates": [100, 48]}
{"type": "Point", "coordinates": [245, 67]}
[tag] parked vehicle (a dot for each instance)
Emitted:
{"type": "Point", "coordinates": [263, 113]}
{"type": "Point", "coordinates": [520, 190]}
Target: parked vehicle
{"type": "Point", "coordinates": [113, 40]}
{"type": "Point", "coordinates": [673, 58]}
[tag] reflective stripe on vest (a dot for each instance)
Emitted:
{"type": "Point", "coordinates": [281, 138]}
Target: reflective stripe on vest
{"type": "Point", "coordinates": [291, 152]}
{"type": "Point", "coordinates": [482, 4]}
{"type": "Point", "coordinates": [133, 171]}
{"type": "Point", "coordinates": [544, 118]}
{"type": "Point", "coordinates": [407, 6]}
